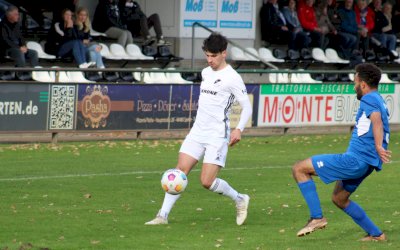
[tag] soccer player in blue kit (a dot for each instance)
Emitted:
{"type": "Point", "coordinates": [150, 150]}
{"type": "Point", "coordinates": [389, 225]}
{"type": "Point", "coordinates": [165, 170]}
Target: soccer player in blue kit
{"type": "Point", "coordinates": [366, 152]}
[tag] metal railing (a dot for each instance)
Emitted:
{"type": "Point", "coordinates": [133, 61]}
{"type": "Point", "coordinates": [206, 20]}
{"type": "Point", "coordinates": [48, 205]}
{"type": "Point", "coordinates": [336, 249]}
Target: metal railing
{"type": "Point", "coordinates": [230, 42]}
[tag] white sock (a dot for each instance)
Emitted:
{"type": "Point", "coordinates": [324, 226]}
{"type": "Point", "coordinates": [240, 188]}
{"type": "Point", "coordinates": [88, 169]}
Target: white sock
{"type": "Point", "coordinates": [169, 201]}
{"type": "Point", "coordinates": [222, 187]}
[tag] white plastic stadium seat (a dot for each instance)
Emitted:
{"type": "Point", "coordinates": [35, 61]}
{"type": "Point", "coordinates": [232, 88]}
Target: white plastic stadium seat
{"type": "Point", "coordinates": [385, 79]}
{"type": "Point", "coordinates": [117, 50]}
{"type": "Point", "coordinates": [319, 55]}
{"type": "Point", "coordinates": [333, 56]}
{"type": "Point", "coordinates": [136, 53]}
{"type": "Point", "coordinates": [105, 52]}
{"type": "Point", "coordinates": [250, 57]}
{"type": "Point", "coordinates": [137, 75]}
{"type": "Point", "coordinates": [62, 77]}
{"type": "Point", "coordinates": [266, 54]}
{"type": "Point", "coordinates": [306, 78]}
{"type": "Point", "coordinates": [175, 77]}
{"type": "Point", "coordinates": [351, 76]}
{"type": "Point", "coordinates": [294, 78]}
{"type": "Point", "coordinates": [279, 78]}
{"type": "Point", "coordinates": [41, 76]}
{"type": "Point", "coordinates": [38, 48]}
{"type": "Point", "coordinates": [155, 77]}
{"type": "Point", "coordinates": [237, 54]}
{"type": "Point", "coordinates": [78, 77]}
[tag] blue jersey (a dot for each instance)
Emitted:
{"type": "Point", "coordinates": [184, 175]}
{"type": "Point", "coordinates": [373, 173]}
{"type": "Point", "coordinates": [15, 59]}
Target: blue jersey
{"type": "Point", "coordinates": [362, 143]}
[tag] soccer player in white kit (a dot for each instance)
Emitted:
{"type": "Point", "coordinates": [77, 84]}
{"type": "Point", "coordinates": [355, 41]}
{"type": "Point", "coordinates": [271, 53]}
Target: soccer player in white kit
{"type": "Point", "coordinates": [210, 135]}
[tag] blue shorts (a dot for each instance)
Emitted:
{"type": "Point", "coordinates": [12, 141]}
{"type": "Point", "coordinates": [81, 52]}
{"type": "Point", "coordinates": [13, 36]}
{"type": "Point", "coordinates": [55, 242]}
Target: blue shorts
{"type": "Point", "coordinates": [341, 167]}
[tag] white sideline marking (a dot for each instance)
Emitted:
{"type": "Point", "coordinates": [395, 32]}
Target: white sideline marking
{"type": "Point", "coordinates": [129, 173]}
{"type": "Point", "coordinates": [120, 174]}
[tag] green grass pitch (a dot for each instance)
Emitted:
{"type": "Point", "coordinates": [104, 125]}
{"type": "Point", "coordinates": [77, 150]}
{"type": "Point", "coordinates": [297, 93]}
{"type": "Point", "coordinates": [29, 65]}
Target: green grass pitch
{"type": "Point", "coordinates": [98, 195]}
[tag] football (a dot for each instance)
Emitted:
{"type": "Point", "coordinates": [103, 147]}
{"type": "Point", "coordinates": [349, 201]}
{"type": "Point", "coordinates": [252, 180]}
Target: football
{"type": "Point", "coordinates": [174, 181]}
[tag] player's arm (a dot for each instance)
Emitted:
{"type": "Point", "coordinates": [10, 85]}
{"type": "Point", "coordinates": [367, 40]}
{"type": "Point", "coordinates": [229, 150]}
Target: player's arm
{"type": "Point", "coordinates": [377, 130]}
{"type": "Point", "coordinates": [245, 115]}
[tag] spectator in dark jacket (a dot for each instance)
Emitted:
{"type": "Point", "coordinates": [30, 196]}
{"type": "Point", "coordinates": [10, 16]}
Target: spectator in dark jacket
{"type": "Point", "coordinates": [12, 42]}
{"type": "Point", "coordinates": [299, 38]}
{"type": "Point", "coordinates": [63, 40]}
{"type": "Point", "coordinates": [348, 28]}
{"type": "Point", "coordinates": [139, 24]}
{"type": "Point", "coordinates": [383, 26]}
{"type": "Point", "coordinates": [273, 23]}
{"type": "Point", "coordinates": [107, 19]}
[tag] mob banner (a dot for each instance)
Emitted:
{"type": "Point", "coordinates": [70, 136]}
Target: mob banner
{"type": "Point", "coordinates": [317, 104]}
{"type": "Point", "coordinates": [23, 107]}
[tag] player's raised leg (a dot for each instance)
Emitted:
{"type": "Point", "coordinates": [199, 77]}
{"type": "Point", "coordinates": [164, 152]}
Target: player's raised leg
{"type": "Point", "coordinates": [302, 172]}
{"type": "Point", "coordinates": [210, 181]}
{"type": "Point", "coordinates": [185, 164]}
{"type": "Point", "coordinates": [340, 198]}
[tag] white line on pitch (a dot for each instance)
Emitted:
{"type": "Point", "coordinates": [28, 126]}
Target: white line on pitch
{"type": "Point", "coordinates": [120, 174]}
{"type": "Point", "coordinates": [129, 173]}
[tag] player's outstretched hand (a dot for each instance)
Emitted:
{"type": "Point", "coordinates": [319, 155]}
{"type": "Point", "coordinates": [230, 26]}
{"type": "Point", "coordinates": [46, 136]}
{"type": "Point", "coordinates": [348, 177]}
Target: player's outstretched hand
{"type": "Point", "coordinates": [236, 136]}
{"type": "Point", "coordinates": [384, 154]}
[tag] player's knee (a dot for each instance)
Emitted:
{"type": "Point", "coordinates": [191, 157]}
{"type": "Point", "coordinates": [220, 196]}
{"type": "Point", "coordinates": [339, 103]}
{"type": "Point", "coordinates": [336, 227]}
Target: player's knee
{"type": "Point", "coordinates": [296, 169]}
{"type": "Point", "coordinates": [339, 201]}
{"type": "Point", "coordinates": [206, 182]}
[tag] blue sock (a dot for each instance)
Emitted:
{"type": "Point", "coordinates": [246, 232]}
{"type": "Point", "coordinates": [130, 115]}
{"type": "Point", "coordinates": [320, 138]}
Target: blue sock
{"type": "Point", "coordinates": [360, 217]}
{"type": "Point", "coordinates": [309, 192]}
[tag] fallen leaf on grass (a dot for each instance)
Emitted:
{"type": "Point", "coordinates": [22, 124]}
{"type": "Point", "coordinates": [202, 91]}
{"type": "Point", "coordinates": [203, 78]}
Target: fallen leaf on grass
{"type": "Point", "coordinates": [108, 211]}
{"type": "Point", "coordinates": [87, 196]}
{"type": "Point", "coordinates": [95, 242]}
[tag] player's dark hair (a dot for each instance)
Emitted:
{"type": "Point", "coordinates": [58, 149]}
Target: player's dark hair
{"type": "Point", "coordinates": [215, 43]}
{"type": "Point", "coordinates": [369, 73]}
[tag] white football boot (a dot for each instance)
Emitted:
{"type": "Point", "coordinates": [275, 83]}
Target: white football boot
{"type": "Point", "coordinates": [241, 209]}
{"type": "Point", "coordinates": [159, 220]}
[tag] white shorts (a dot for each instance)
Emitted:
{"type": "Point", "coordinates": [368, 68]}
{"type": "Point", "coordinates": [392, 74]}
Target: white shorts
{"type": "Point", "coordinates": [212, 150]}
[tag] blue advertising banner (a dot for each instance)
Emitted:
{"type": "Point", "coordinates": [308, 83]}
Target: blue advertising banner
{"type": "Point", "coordinates": [114, 107]}
{"type": "Point", "coordinates": [24, 107]}
{"type": "Point", "coordinates": [117, 107]}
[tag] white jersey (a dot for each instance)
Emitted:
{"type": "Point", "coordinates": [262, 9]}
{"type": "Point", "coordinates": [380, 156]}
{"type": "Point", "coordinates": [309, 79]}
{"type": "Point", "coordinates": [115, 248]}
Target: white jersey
{"type": "Point", "coordinates": [218, 91]}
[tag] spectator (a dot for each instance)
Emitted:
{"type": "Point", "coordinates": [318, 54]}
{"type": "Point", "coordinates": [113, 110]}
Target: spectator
{"type": "Point", "coordinates": [273, 22]}
{"type": "Point", "coordinates": [365, 19]}
{"type": "Point", "coordinates": [332, 13]}
{"type": "Point", "coordinates": [107, 19]}
{"type": "Point", "coordinates": [396, 17]}
{"type": "Point", "coordinates": [341, 41]}
{"type": "Point", "coordinates": [383, 26]}
{"type": "Point", "coordinates": [139, 24]}
{"type": "Point", "coordinates": [83, 25]}
{"type": "Point", "coordinates": [299, 39]}
{"type": "Point", "coordinates": [63, 39]}
{"type": "Point", "coordinates": [348, 28]}
{"type": "Point", "coordinates": [60, 5]}
{"type": "Point", "coordinates": [12, 42]}
{"type": "Point", "coordinates": [327, 29]}
{"type": "Point", "coordinates": [309, 23]}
